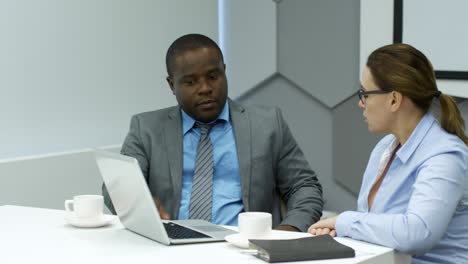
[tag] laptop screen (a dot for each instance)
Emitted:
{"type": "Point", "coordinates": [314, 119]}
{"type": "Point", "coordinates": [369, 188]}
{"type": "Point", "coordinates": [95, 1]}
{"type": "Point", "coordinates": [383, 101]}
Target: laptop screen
{"type": "Point", "coordinates": [130, 195]}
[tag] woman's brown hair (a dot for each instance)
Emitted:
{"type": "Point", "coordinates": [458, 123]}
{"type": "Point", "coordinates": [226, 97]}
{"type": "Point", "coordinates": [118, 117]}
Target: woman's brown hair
{"type": "Point", "coordinates": [403, 68]}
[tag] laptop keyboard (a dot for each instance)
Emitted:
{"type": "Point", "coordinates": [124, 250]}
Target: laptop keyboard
{"type": "Point", "coordinates": [180, 232]}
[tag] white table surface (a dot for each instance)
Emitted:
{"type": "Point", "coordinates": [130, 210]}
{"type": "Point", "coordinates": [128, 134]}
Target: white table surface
{"type": "Point", "coordinates": [36, 235]}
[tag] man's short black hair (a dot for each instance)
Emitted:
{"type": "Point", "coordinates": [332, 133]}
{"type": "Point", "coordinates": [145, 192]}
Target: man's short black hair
{"type": "Point", "coordinates": [186, 43]}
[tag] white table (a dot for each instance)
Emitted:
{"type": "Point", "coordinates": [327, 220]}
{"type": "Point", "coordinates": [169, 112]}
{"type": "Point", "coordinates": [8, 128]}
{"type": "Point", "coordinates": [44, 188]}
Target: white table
{"type": "Point", "coordinates": [36, 235]}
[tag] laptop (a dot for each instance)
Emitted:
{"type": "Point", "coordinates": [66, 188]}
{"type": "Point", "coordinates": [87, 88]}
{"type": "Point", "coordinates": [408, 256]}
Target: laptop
{"type": "Point", "coordinates": [135, 207]}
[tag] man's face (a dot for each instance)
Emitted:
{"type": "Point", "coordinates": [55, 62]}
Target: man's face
{"type": "Point", "coordinates": [199, 83]}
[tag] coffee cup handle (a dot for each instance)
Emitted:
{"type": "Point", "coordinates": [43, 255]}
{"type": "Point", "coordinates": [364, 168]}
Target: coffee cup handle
{"type": "Point", "coordinates": [67, 206]}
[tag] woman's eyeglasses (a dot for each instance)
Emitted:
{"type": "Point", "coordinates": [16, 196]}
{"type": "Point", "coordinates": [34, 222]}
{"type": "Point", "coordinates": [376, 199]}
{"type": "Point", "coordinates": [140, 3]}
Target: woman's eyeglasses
{"type": "Point", "coordinates": [364, 94]}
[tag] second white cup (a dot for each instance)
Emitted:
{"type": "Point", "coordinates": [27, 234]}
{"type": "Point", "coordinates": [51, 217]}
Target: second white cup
{"type": "Point", "coordinates": [254, 225]}
{"type": "Point", "coordinates": [86, 206]}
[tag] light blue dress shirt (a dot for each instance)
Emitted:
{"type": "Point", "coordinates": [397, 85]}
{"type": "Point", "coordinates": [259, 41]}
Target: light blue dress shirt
{"type": "Point", "coordinates": [421, 208]}
{"type": "Point", "coordinates": [227, 195]}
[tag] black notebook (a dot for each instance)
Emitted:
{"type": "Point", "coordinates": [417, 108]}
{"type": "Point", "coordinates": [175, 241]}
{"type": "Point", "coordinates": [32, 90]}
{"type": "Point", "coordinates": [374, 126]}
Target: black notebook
{"type": "Point", "coordinates": [307, 248]}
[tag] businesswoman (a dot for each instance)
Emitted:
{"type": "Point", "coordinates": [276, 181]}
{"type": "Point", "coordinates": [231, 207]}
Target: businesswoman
{"type": "Point", "coordinates": [414, 193]}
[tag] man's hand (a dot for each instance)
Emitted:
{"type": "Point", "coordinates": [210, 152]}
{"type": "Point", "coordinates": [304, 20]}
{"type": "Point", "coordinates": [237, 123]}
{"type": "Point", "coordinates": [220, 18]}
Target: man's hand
{"type": "Point", "coordinates": [162, 212]}
{"type": "Point", "coordinates": [287, 228]}
{"type": "Point", "coordinates": [324, 227]}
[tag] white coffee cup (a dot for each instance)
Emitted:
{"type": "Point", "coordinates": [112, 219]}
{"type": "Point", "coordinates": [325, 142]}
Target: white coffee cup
{"type": "Point", "coordinates": [86, 206]}
{"type": "Point", "coordinates": [254, 225]}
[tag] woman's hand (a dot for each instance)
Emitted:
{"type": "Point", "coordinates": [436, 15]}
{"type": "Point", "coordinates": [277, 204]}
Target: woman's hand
{"type": "Point", "coordinates": [324, 227]}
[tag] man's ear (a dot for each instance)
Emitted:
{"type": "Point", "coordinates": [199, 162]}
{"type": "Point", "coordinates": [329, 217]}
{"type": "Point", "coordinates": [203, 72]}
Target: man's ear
{"type": "Point", "coordinates": [396, 101]}
{"type": "Point", "coordinates": [171, 84]}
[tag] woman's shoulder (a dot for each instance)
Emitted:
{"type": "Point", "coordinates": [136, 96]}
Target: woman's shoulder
{"type": "Point", "coordinates": [438, 141]}
{"type": "Point", "coordinates": [440, 146]}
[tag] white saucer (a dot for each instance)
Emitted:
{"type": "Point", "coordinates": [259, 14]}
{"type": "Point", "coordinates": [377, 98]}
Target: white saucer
{"type": "Point", "coordinates": [239, 241]}
{"type": "Point", "coordinates": [104, 220]}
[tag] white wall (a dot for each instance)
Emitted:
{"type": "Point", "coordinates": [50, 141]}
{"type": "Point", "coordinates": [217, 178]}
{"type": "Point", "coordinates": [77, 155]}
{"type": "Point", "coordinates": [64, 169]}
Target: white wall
{"type": "Point", "coordinates": [73, 72]}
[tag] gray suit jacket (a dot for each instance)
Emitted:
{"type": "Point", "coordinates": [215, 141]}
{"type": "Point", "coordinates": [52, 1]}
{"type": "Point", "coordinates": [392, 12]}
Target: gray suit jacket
{"type": "Point", "coordinates": [270, 161]}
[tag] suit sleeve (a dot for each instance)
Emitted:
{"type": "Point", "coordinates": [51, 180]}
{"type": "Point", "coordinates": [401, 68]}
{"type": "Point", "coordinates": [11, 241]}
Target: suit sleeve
{"type": "Point", "coordinates": [132, 147]}
{"type": "Point", "coordinates": [297, 182]}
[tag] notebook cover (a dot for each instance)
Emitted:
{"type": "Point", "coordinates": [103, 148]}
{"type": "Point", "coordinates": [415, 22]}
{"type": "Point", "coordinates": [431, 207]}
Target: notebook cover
{"type": "Point", "coordinates": [307, 248]}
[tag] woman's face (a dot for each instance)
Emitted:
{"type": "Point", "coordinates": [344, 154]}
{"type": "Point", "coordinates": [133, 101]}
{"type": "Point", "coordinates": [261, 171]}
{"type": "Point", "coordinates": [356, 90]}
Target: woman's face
{"type": "Point", "coordinates": [376, 107]}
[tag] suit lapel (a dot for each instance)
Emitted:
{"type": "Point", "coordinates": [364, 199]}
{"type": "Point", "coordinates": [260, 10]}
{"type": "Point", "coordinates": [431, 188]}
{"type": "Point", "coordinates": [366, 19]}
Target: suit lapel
{"type": "Point", "coordinates": [241, 125]}
{"type": "Point", "coordinates": [173, 142]}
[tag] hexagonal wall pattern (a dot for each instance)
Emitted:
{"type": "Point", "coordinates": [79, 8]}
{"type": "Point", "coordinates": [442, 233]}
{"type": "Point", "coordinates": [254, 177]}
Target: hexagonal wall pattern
{"type": "Point", "coordinates": [304, 89]}
{"type": "Point", "coordinates": [311, 124]}
{"type": "Point", "coordinates": [248, 40]}
{"type": "Point", "coordinates": [318, 47]}
{"type": "Point", "coordinates": [352, 144]}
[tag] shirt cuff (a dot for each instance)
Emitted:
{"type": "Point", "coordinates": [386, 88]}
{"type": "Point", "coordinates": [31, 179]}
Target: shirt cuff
{"type": "Point", "coordinates": [344, 223]}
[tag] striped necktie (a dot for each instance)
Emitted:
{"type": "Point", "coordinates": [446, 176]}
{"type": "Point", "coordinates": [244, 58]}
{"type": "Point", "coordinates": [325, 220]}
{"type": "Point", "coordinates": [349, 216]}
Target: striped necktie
{"type": "Point", "coordinates": [202, 184]}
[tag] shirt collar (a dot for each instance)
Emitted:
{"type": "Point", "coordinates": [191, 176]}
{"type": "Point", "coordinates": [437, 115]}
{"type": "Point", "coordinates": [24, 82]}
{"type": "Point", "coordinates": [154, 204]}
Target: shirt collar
{"type": "Point", "coordinates": [405, 152]}
{"type": "Point", "coordinates": [188, 121]}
